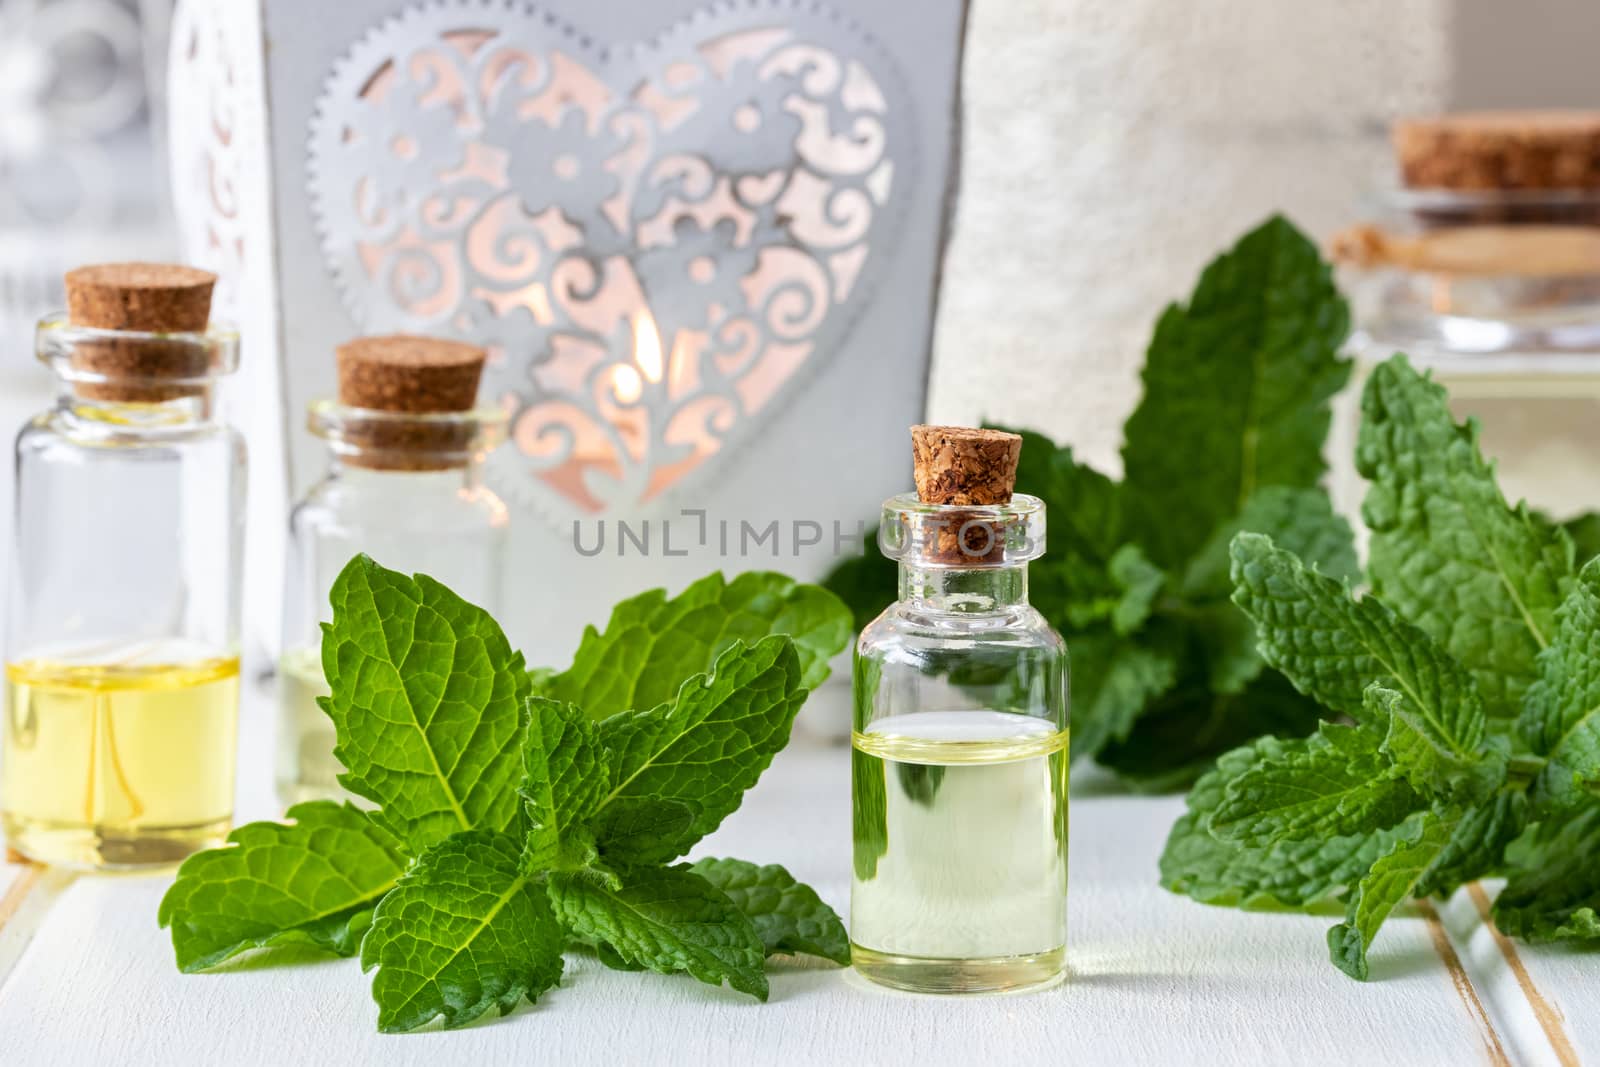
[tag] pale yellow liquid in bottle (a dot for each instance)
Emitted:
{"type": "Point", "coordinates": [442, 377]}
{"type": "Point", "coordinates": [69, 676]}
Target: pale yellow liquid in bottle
{"type": "Point", "coordinates": [960, 857]}
{"type": "Point", "coordinates": [119, 765]}
{"type": "Point", "coordinates": [307, 769]}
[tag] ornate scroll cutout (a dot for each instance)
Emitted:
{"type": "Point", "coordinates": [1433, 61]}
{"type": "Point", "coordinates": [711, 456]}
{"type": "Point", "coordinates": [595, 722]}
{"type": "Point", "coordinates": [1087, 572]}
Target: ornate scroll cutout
{"type": "Point", "coordinates": [655, 241]}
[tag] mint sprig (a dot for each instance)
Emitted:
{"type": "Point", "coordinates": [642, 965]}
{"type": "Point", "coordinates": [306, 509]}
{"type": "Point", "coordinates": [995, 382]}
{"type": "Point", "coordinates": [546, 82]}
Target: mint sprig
{"type": "Point", "coordinates": [427, 704]}
{"type": "Point", "coordinates": [1227, 437]}
{"type": "Point", "coordinates": [516, 822]}
{"type": "Point", "coordinates": [1447, 552]}
{"type": "Point", "coordinates": [312, 881]}
{"type": "Point", "coordinates": [1475, 617]}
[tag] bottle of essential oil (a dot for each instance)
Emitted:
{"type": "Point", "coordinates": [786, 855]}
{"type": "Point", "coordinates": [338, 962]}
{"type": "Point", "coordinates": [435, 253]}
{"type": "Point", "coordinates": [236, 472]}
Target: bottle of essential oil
{"type": "Point", "coordinates": [122, 662]}
{"type": "Point", "coordinates": [959, 746]}
{"type": "Point", "coordinates": [404, 485]}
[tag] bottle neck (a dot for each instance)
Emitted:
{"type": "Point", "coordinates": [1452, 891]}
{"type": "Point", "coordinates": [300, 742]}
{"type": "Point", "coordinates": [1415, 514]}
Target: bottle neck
{"type": "Point", "coordinates": [461, 473]}
{"type": "Point", "coordinates": [966, 591]}
{"type": "Point", "coordinates": [84, 406]}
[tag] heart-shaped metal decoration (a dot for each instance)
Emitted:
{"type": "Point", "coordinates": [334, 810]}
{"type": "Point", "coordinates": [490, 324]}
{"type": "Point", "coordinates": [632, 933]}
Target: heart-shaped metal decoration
{"type": "Point", "coordinates": [656, 241]}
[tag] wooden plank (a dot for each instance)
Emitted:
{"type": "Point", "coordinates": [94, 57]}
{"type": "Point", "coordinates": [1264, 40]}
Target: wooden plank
{"type": "Point", "coordinates": [1155, 978]}
{"type": "Point", "coordinates": [1545, 993]}
{"type": "Point", "coordinates": [27, 891]}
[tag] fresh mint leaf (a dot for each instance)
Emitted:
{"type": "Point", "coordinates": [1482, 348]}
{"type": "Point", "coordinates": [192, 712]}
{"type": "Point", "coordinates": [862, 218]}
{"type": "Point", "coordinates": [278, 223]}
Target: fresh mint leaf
{"type": "Point", "coordinates": [1335, 783]}
{"type": "Point", "coordinates": [788, 915]}
{"type": "Point", "coordinates": [667, 919]}
{"type": "Point", "coordinates": [1585, 533]}
{"type": "Point", "coordinates": [465, 931]}
{"type": "Point", "coordinates": [427, 704]}
{"type": "Point", "coordinates": [1301, 521]}
{"type": "Point", "coordinates": [1477, 846]}
{"type": "Point", "coordinates": [1140, 583]}
{"type": "Point", "coordinates": [1237, 388]}
{"type": "Point", "coordinates": [1071, 585]}
{"type": "Point", "coordinates": [1447, 553]}
{"type": "Point", "coordinates": [713, 741]}
{"type": "Point", "coordinates": [1553, 892]}
{"type": "Point", "coordinates": [1447, 759]}
{"type": "Point", "coordinates": [1561, 710]}
{"type": "Point", "coordinates": [643, 831]}
{"type": "Point", "coordinates": [311, 881]}
{"type": "Point", "coordinates": [1298, 520]}
{"type": "Point", "coordinates": [1392, 880]}
{"type": "Point", "coordinates": [652, 645]}
{"type": "Point", "coordinates": [1226, 640]}
{"type": "Point", "coordinates": [1113, 681]}
{"type": "Point", "coordinates": [1333, 647]}
{"type": "Point", "coordinates": [1183, 731]}
{"type": "Point", "coordinates": [1291, 874]}
{"type": "Point", "coordinates": [565, 775]}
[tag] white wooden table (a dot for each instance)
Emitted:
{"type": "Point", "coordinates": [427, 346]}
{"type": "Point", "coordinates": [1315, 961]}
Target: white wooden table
{"type": "Point", "coordinates": [87, 978]}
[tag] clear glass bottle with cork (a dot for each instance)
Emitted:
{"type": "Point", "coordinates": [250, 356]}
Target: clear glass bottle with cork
{"type": "Point", "coordinates": [959, 747]}
{"type": "Point", "coordinates": [406, 449]}
{"type": "Point", "coordinates": [122, 660]}
{"type": "Point", "coordinates": [1483, 265]}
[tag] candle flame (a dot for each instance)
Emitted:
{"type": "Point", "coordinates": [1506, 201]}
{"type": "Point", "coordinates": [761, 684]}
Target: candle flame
{"type": "Point", "coordinates": [647, 346]}
{"type": "Point", "coordinates": [626, 384]}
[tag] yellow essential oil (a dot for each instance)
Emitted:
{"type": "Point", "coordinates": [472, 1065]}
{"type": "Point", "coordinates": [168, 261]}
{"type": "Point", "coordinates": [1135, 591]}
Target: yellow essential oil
{"type": "Point", "coordinates": [118, 765]}
{"type": "Point", "coordinates": [960, 825]}
{"type": "Point", "coordinates": [307, 769]}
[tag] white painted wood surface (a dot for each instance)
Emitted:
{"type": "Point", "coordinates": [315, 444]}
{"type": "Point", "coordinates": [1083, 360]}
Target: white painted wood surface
{"type": "Point", "coordinates": [1155, 978]}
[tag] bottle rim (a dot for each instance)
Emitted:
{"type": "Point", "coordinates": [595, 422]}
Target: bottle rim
{"type": "Point", "coordinates": [441, 438]}
{"type": "Point", "coordinates": [79, 354]}
{"type": "Point", "coordinates": [962, 536]}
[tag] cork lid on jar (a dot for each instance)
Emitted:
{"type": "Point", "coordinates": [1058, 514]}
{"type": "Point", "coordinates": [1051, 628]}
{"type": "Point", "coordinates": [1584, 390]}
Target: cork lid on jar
{"type": "Point", "coordinates": [1504, 150]}
{"type": "Point", "coordinates": [141, 298]}
{"type": "Point", "coordinates": [410, 401]}
{"type": "Point", "coordinates": [404, 372]}
{"type": "Point", "coordinates": [960, 467]}
{"type": "Point", "coordinates": [963, 465]}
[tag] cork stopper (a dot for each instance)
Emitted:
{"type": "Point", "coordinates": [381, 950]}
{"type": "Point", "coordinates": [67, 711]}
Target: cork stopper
{"type": "Point", "coordinates": [144, 298]}
{"type": "Point", "coordinates": [1500, 150]}
{"type": "Point", "coordinates": [404, 374]}
{"type": "Point", "coordinates": [961, 465]}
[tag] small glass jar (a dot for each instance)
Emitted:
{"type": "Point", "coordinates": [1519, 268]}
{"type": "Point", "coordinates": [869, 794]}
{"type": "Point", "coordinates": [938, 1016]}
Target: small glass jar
{"type": "Point", "coordinates": [1478, 271]}
{"type": "Point", "coordinates": [122, 657]}
{"type": "Point", "coordinates": [1482, 264]}
{"type": "Point", "coordinates": [959, 759]}
{"type": "Point", "coordinates": [406, 489]}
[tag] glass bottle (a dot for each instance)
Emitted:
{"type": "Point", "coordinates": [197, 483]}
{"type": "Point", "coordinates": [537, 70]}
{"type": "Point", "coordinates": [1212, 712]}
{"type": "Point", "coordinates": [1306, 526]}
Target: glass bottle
{"type": "Point", "coordinates": [1481, 261]}
{"type": "Point", "coordinates": [122, 660]}
{"type": "Point", "coordinates": [407, 489]}
{"type": "Point", "coordinates": [959, 759]}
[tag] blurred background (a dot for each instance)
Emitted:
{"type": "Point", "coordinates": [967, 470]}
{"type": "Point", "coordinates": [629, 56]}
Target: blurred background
{"type": "Point", "coordinates": [1130, 142]}
{"type": "Point", "coordinates": [1108, 151]}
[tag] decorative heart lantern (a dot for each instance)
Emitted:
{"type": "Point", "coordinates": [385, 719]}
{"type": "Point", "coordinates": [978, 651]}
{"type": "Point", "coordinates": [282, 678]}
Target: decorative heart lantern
{"type": "Point", "coordinates": [699, 243]}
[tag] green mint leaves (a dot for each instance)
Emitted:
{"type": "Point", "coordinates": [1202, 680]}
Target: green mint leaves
{"type": "Point", "coordinates": [788, 916]}
{"type": "Point", "coordinates": [1242, 376]}
{"type": "Point", "coordinates": [1227, 437]}
{"type": "Point", "coordinates": [313, 881]}
{"type": "Point", "coordinates": [1561, 711]}
{"type": "Point", "coordinates": [427, 704]}
{"type": "Point", "coordinates": [1476, 619]}
{"type": "Point", "coordinates": [1447, 553]}
{"type": "Point", "coordinates": [711, 744]}
{"type": "Point", "coordinates": [666, 919]}
{"type": "Point", "coordinates": [515, 820]}
{"type": "Point", "coordinates": [652, 643]}
{"type": "Point", "coordinates": [466, 930]}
